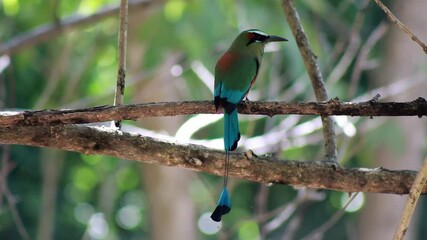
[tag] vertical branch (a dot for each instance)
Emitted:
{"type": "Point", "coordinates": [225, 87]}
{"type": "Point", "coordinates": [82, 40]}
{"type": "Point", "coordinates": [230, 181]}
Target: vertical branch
{"type": "Point", "coordinates": [52, 166]}
{"type": "Point", "coordinates": [411, 203]}
{"type": "Point", "coordinates": [7, 167]}
{"type": "Point", "coordinates": [121, 72]}
{"type": "Point", "coordinates": [313, 71]}
{"type": "Point", "coordinates": [55, 11]}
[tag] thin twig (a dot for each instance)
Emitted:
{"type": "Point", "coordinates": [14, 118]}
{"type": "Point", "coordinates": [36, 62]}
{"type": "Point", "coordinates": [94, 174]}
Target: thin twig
{"type": "Point", "coordinates": [314, 73]}
{"type": "Point", "coordinates": [401, 25]}
{"type": "Point", "coordinates": [261, 200]}
{"type": "Point", "coordinates": [55, 75]}
{"type": "Point", "coordinates": [122, 45]}
{"type": "Point", "coordinates": [51, 30]}
{"type": "Point", "coordinates": [361, 60]}
{"type": "Point", "coordinates": [411, 203]}
{"type": "Point", "coordinates": [295, 223]}
{"type": "Point", "coordinates": [320, 231]}
{"type": "Point", "coordinates": [303, 196]}
{"type": "Point", "coordinates": [6, 167]}
{"type": "Point", "coordinates": [351, 49]}
{"type": "Point", "coordinates": [4, 190]}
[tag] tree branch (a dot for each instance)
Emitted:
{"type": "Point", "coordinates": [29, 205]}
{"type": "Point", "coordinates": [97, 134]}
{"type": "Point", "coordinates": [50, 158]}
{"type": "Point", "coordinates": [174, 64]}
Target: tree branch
{"type": "Point", "coordinates": [414, 194]}
{"type": "Point", "coordinates": [311, 174]}
{"type": "Point", "coordinates": [417, 107]}
{"type": "Point", "coordinates": [51, 30]}
{"type": "Point", "coordinates": [401, 25]}
{"type": "Point", "coordinates": [122, 46]}
{"type": "Point", "coordinates": [310, 61]}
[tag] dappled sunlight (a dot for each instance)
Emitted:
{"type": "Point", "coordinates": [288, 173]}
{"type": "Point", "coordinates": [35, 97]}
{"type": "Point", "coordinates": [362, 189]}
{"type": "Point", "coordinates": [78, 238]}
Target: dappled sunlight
{"type": "Point", "coordinates": [204, 74]}
{"type": "Point", "coordinates": [347, 127]}
{"type": "Point", "coordinates": [306, 128]}
{"type": "Point", "coordinates": [4, 62]}
{"type": "Point", "coordinates": [194, 124]}
{"type": "Point", "coordinates": [11, 7]}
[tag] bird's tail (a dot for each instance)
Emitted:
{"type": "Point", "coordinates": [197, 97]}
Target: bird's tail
{"type": "Point", "coordinates": [231, 130]}
{"type": "Point", "coordinates": [223, 207]}
{"type": "Point", "coordinates": [231, 137]}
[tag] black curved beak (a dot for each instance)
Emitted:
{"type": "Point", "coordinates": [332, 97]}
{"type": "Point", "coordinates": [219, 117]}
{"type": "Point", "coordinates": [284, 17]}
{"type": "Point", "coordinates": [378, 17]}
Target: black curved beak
{"type": "Point", "coordinates": [276, 39]}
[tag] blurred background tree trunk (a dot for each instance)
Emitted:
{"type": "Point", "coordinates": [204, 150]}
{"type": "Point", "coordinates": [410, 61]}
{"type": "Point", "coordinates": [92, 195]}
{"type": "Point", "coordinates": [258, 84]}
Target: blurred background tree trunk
{"type": "Point", "coordinates": [52, 162]}
{"type": "Point", "coordinates": [403, 58]}
{"type": "Point", "coordinates": [172, 212]}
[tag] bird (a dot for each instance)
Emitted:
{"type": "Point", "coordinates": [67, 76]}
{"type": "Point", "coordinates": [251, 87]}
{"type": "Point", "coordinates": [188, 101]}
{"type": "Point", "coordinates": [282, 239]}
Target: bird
{"type": "Point", "coordinates": [235, 74]}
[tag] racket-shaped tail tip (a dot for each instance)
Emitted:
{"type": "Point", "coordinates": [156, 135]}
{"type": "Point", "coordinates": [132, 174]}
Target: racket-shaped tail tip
{"type": "Point", "coordinates": [223, 207]}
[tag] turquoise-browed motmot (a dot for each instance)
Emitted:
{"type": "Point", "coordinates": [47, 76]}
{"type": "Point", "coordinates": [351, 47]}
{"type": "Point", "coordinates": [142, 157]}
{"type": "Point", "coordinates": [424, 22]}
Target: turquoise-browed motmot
{"type": "Point", "coordinates": [235, 74]}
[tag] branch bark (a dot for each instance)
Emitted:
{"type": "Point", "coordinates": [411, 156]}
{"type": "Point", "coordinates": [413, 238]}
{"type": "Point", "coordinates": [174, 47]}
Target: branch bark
{"type": "Point", "coordinates": [417, 107]}
{"type": "Point", "coordinates": [310, 62]}
{"type": "Point", "coordinates": [122, 46]}
{"type": "Point", "coordinates": [311, 174]}
{"type": "Point", "coordinates": [401, 25]}
{"type": "Point", "coordinates": [414, 194]}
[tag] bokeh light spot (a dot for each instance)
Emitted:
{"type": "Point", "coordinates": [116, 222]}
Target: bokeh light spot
{"type": "Point", "coordinates": [128, 217]}
{"type": "Point", "coordinates": [355, 205]}
{"type": "Point", "coordinates": [10, 7]}
{"type": "Point", "coordinates": [98, 226]}
{"type": "Point", "coordinates": [85, 178]}
{"type": "Point", "coordinates": [127, 178]}
{"type": "Point", "coordinates": [249, 230]}
{"type": "Point", "coordinates": [83, 212]}
{"type": "Point", "coordinates": [176, 70]}
{"type": "Point", "coordinates": [174, 10]}
{"type": "Point", "coordinates": [207, 225]}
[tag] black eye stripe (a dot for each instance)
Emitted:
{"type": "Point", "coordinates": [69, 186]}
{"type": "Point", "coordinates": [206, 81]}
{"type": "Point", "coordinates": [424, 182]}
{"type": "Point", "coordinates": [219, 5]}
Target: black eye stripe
{"type": "Point", "coordinates": [260, 37]}
{"type": "Point", "coordinates": [257, 38]}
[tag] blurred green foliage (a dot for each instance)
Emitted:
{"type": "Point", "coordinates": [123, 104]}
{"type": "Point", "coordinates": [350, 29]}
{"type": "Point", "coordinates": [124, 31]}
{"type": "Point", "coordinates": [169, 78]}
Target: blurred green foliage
{"type": "Point", "coordinates": [79, 68]}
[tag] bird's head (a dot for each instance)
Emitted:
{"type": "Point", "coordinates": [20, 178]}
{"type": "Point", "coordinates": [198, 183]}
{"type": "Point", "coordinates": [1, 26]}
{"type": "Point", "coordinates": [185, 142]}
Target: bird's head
{"type": "Point", "coordinates": [254, 40]}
